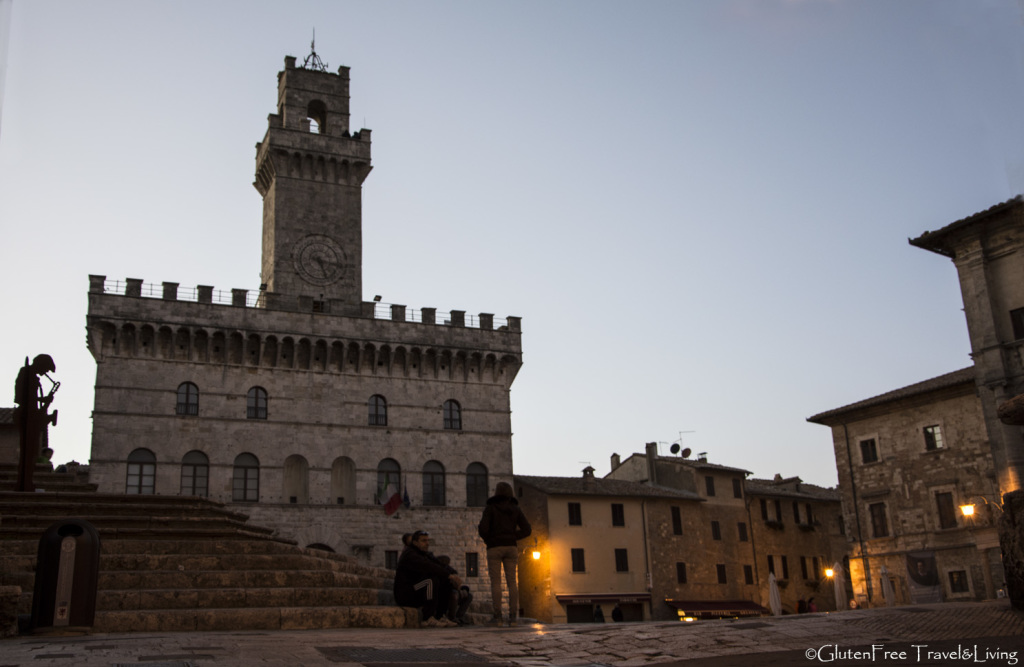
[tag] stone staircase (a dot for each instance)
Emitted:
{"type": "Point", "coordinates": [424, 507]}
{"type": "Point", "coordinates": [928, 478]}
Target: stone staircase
{"type": "Point", "coordinates": [185, 564]}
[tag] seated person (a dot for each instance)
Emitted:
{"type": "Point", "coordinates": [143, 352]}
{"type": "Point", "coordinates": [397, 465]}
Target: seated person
{"type": "Point", "coordinates": [460, 598]}
{"type": "Point", "coordinates": [422, 582]}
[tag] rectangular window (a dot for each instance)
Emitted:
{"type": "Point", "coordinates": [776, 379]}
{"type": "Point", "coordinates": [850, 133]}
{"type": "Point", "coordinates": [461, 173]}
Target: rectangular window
{"type": "Point", "coordinates": [778, 511]}
{"type": "Point", "coordinates": [472, 565]}
{"type": "Point", "coordinates": [947, 512]}
{"type": "Point", "coordinates": [785, 567]}
{"type": "Point", "coordinates": [716, 531]}
{"type": "Point", "coordinates": [879, 523]}
{"type": "Point", "coordinates": [721, 573]}
{"type": "Point", "coordinates": [575, 515]}
{"type": "Point", "coordinates": [868, 451]}
{"type": "Point", "coordinates": [621, 560]}
{"type": "Point", "coordinates": [764, 509]}
{"type": "Point", "coordinates": [391, 560]}
{"type": "Point", "coordinates": [737, 487]}
{"type": "Point", "coordinates": [677, 521]}
{"type": "Point", "coordinates": [680, 573]}
{"type": "Point", "coordinates": [932, 437]}
{"type": "Point", "coordinates": [742, 526]}
{"type": "Point", "coordinates": [958, 582]}
{"type": "Point", "coordinates": [771, 564]}
{"type": "Point", "coordinates": [748, 575]}
{"type": "Point", "coordinates": [796, 511]}
{"type": "Point", "coordinates": [578, 564]}
{"type": "Point", "coordinates": [803, 566]}
{"type": "Point", "coordinates": [810, 514]}
{"type": "Point", "coordinates": [1017, 318]}
{"type": "Point", "coordinates": [618, 515]}
{"type": "Point", "coordinates": [814, 567]}
{"type": "Point", "coordinates": [709, 485]}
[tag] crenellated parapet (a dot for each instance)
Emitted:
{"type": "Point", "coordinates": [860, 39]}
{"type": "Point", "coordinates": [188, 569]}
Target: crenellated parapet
{"type": "Point", "coordinates": [208, 326]}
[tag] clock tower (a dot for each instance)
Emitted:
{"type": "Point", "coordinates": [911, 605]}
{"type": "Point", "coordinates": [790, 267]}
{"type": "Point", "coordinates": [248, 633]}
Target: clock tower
{"type": "Point", "coordinates": [310, 170]}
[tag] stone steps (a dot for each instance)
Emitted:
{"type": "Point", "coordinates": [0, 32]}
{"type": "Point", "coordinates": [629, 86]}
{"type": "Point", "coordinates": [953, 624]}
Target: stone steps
{"type": "Point", "coordinates": [256, 618]}
{"type": "Point", "coordinates": [188, 564]}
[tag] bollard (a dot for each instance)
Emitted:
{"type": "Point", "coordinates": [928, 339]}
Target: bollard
{"type": "Point", "coordinates": [67, 571]}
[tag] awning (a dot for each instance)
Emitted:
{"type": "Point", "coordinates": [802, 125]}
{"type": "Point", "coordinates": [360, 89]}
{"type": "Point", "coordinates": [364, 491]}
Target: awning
{"type": "Point", "coordinates": [601, 598]}
{"type": "Point", "coordinates": [717, 608]}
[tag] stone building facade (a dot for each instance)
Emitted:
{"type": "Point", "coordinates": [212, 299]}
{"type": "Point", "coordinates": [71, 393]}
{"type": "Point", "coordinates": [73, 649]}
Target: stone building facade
{"type": "Point", "coordinates": [740, 530]}
{"type": "Point", "coordinates": [299, 403]}
{"type": "Point", "coordinates": [907, 461]}
{"type": "Point", "coordinates": [987, 249]}
{"type": "Point", "coordinates": [797, 532]}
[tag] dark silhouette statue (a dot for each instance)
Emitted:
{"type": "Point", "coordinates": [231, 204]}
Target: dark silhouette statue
{"type": "Point", "coordinates": [31, 416]}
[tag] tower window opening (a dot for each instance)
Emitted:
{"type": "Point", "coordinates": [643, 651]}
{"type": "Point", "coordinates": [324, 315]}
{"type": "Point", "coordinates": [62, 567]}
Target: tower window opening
{"type": "Point", "coordinates": [316, 112]}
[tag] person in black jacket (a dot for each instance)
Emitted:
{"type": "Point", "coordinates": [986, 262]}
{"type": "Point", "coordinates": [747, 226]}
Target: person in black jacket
{"type": "Point", "coordinates": [421, 581]}
{"type": "Point", "coordinates": [502, 525]}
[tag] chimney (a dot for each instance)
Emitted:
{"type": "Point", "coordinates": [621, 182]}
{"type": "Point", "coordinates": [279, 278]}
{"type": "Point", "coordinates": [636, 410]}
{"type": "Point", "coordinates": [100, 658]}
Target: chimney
{"type": "Point", "coordinates": [616, 462]}
{"type": "Point", "coordinates": [652, 460]}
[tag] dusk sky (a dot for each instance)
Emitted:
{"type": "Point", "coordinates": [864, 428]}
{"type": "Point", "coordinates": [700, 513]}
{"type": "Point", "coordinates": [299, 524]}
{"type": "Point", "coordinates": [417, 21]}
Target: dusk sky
{"type": "Point", "coordinates": [699, 209]}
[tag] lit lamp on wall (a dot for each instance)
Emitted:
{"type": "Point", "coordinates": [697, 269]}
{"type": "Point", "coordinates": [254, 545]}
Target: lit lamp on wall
{"type": "Point", "coordinates": [536, 550]}
{"type": "Point", "coordinates": [970, 509]}
{"type": "Point", "coordinates": [829, 572]}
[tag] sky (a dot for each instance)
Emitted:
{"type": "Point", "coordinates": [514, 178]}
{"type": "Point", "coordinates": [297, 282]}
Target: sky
{"type": "Point", "coordinates": [699, 209]}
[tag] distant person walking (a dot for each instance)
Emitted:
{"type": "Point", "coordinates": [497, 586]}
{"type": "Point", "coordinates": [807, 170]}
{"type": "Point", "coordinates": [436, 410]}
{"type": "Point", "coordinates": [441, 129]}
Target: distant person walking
{"type": "Point", "coordinates": [502, 525]}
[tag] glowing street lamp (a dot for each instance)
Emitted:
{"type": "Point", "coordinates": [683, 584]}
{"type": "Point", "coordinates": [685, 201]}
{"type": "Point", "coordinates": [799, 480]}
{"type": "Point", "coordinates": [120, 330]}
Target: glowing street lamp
{"type": "Point", "coordinates": [829, 572]}
{"type": "Point", "coordinates": [967, 510]}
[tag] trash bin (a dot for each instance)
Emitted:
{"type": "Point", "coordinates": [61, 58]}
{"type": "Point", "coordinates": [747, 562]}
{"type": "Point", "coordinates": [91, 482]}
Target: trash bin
{"type": "Point", "coordinates": [67, 571]}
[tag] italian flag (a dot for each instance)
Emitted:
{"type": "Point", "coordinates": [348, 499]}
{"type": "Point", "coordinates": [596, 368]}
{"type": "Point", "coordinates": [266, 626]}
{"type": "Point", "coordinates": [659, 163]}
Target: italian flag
{"type": "Point", "coordinates": [390, 498]}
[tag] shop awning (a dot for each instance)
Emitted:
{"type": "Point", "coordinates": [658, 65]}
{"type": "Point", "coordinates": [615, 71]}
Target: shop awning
{"type": "Point", "coordinates": [717, 608]}
{"type": "Point", "coordinates": [601, 598]}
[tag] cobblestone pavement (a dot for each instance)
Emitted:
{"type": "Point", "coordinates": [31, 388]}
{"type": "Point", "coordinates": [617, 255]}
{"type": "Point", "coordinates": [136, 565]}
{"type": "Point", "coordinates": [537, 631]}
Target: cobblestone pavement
{"type": "Point", "coordinates": [994, 628]}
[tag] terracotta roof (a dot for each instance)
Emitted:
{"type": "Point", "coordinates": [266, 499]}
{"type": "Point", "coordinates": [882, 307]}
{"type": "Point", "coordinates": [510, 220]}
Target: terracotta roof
{"type": "Point", "coordinates": [6, 415]}
{"type": "Point", "coordinates": [936, 240]}
{"type": "Point", "coordinates": [597, 486]}
{"type": "Point", "coordinates": [962, 376]}
{"type": "Point", "coordinates": [768, 487]}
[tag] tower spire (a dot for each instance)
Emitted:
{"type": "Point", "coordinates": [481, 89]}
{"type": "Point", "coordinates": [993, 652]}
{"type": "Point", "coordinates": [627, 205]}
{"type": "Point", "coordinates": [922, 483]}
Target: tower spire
{"type": "Point", "coordinates": [313, 61]}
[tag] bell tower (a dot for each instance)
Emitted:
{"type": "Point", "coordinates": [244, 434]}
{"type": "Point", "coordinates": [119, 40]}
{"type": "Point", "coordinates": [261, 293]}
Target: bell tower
{"type": "Point", "coordinates": [310, 171]}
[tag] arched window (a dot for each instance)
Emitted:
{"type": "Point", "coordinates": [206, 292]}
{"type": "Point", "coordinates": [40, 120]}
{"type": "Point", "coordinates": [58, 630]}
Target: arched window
{"type": "Point", "coordinates": [343, 480]}
{"type": "Point", "coordinates": [195, 474]}
{"type": "Point", "coordinates": [476, 485]}
{"type": "Point", "coordinates": [296, 479]}
{"type": "Point", "coordinates": [141, 473]}
{"type": "Point", "coordinates": [246, 483]}
{"type": "Point", "coordinates": [433, 483]}
{"type": "Point", "coordinates": [378, 410]}
{"type": "Point", "coordinates": [389, 473]}
{"type": "Point", "coordinates": [452, 415]}
{"type": "Point", "coordinates": [317, 114]}
{"type": "Point", "coordinates": [256, 403]}
{"type": "Point", "coordinates": [188, 399]}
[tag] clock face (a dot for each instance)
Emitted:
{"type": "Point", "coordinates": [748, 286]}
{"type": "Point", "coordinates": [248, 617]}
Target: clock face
{"type": "Point", "coordinates": [319, 260]}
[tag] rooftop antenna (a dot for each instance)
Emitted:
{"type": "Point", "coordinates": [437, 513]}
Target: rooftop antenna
{"type": "Point", "coordinates": [313, 61]}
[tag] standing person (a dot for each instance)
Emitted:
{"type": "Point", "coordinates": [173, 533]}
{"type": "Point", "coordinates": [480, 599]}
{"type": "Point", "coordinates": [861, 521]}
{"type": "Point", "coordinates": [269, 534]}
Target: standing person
{"type": "Point", "coordinates": [502, 525]}
{"type": "Point", "coordinates": [422, 582]}
{"type": "Point", "coordinates": [598, 615]}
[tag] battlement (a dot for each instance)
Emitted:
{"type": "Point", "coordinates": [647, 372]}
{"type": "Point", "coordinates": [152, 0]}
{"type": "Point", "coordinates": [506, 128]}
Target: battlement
{"type": "Point", "coordinates": [260, 299]}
